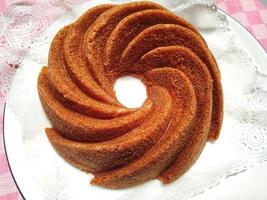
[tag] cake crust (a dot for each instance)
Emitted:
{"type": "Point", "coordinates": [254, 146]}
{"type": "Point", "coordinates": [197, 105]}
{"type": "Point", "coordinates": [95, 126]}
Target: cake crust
{"type": "Point", "coordinates": [93, 131]}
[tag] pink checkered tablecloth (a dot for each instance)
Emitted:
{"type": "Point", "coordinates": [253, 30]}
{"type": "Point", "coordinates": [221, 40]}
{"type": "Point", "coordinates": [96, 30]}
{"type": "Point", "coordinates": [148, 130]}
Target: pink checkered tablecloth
{"type": "Point", "coordinates": [251, 13]}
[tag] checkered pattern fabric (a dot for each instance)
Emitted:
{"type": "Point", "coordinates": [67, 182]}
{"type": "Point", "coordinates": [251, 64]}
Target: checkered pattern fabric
{"type": "Point", "coordinates": [252, 14]}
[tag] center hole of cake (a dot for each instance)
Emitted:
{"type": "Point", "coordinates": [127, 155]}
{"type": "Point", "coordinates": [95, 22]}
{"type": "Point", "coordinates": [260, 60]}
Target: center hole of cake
{"type": "Point", "coordinates": [130, 91]}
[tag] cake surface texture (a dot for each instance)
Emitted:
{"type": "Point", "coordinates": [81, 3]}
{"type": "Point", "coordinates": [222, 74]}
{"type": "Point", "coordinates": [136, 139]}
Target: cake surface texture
{"type": "Point", "coordinates": [123, 146]}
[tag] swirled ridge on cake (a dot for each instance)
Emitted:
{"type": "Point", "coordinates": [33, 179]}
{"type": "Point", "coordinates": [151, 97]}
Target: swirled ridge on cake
{"type": "Point", "coordinates": [123, 147]}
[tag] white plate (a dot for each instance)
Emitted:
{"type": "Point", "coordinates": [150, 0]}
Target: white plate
{"type": "Point", "coordinates": [24, 176]}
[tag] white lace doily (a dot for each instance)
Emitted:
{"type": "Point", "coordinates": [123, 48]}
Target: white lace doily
{"type": "Point", "coordinates": [243, 139]}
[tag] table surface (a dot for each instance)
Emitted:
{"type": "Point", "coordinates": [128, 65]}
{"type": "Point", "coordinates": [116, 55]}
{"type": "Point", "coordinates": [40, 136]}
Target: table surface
{"type": "Point", "coordinates": [252, 14]}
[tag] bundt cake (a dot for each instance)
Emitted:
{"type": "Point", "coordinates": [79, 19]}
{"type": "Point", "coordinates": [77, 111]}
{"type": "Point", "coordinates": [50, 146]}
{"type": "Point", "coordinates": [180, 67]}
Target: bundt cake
{"type": "Point", "coordinates": [123, 146]}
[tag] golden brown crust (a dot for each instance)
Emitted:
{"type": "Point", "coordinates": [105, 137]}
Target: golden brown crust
{"type": "Point", "coordinates": [119, 151]}
{"type": "Point", "coordinates": [137, 22]}
{"type": "Point", "coordinates": [123, 147]}
{"type": "Point", "coordinates": [186, 61]}
{"type": "Point", "coordinates": [84, 128]}
{"type": "Point", "coordinates": [170, 35]}
{"type": "Point", "coordinates": [69, 93]}
{"type": "Point", "coordinates": [159, 156]}
{"type": "Point", "coordinates": [98, 34]}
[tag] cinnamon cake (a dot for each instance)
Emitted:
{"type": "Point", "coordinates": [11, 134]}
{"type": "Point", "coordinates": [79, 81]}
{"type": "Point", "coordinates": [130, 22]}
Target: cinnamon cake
{"type": "Point", "coordinates": [123, 147]}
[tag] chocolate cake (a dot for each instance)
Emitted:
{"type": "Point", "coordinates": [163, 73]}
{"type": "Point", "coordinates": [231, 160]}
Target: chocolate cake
{"type": "Point", "coordinates": [123, 146]}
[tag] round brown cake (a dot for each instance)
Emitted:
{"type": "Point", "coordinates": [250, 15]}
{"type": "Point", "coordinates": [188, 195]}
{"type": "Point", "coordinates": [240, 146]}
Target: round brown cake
{"type": "Point", "coordinates": [123, 147]}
